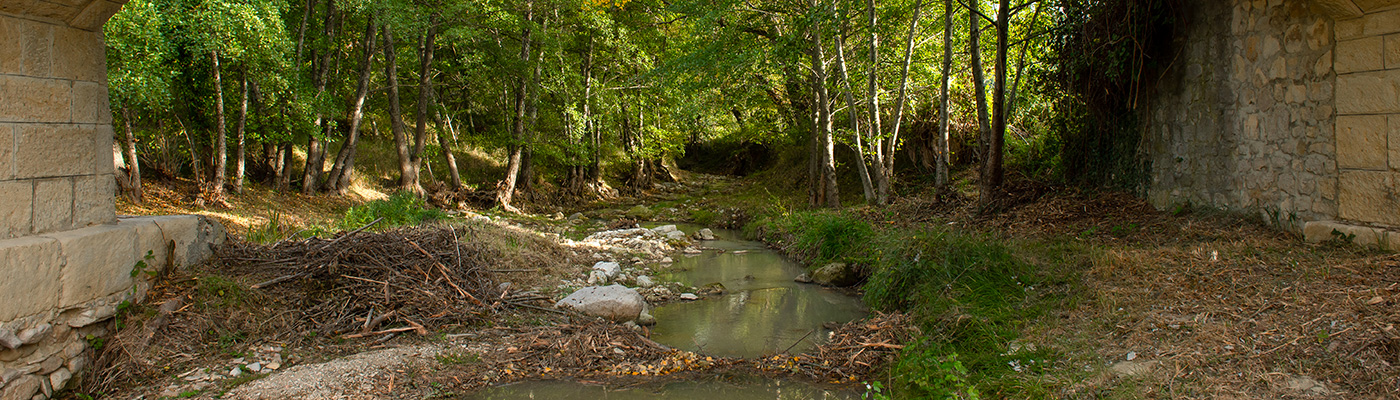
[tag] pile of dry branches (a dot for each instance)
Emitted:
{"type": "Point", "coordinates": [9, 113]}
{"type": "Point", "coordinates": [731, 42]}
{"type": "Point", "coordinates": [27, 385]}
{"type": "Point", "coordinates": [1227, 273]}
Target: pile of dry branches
{"type": "Point", "coordinates": [357, 281]}
{"type": "Point", "coordinates": [856, 350]}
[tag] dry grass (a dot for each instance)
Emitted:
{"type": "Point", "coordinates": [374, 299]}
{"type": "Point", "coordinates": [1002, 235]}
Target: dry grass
{"type": "Point", "coordinates": [254, 207]}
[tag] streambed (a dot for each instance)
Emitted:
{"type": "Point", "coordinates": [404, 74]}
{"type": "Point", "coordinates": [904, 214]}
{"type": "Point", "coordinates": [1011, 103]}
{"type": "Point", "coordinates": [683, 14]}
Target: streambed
{"type": "Point", "coordinates": [762, 312]}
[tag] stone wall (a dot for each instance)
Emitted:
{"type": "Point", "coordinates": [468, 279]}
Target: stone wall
{"type": "Point", "coordinates": [1244, 117]}
{"type": "Point", "coordinates": [55, 125]}
{"type": "Point", "coordinates": [67, 262]}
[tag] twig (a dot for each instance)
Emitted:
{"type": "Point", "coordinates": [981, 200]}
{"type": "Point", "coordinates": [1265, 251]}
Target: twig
{"type": "Point", "coordinates": [804, 337]}
{"type": "Point", "coordinates": [377, 333]}
{"type": "Point", "coordinates": [510, 270]}
{"type": "Point", "coordinates": [278, 280]}
{"type": "Point", "coordinates": [377, 320]}
{"type": "Point", "coordinates": [352, 233]}
{"type": "Point", "coordinates": [534, 307]}
{"type": "Point", "coordinates": [364, 279]}
{"type": "Point", "coordinates": [444, 272]}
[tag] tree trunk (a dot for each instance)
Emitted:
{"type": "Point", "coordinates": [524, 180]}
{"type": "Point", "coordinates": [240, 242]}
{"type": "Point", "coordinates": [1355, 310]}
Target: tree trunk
{"type": "Point", "coordinates": [825, 144]}
{"type": "Point", "coordinates": [1021, 64]}
{"type": "Point", "coordinates": [888, 144]}
{"type": "Point", "coordinates": [315, 151]}
{"type": "Point", "coordinates": [527, 171]}
{"type": "Point", "coordinates": [882, 180]}
{"type": "Point", "coordinates": [344, 167]}
{"type": "Point", "coordinates": [517, 131]}
{"type": "Point", "coordinates": [992, 176]}
{"type": "Point", "coordinates": [408, 175]}
{"type": "Point", "coordinates": [425, 90]}
{"type": "Point", "coordinates": [133, 165]}
{"type": "Point", "coordinates": [979, 85]}
{"type": "Point", "coordinates": [594, 137]}
{"type": "Point", "coordinates": [941, 176]}
{"type": "Point", "coordinates": [445, 142]}
{"type": "Point", "coordinates": [241, 153]}
{"type": "Point", "coordinates": [220, 136]}
{"type": "Point", "coordinates": [866, 186]}
{"type": "Point", "coordinates": [284, 162]}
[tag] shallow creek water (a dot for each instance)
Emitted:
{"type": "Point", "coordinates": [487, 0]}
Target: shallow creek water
{"type": "Point", "coordinates": [763, 312]}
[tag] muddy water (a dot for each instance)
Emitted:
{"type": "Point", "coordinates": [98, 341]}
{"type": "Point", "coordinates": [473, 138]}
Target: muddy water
{"type": "Point", "coordinates": [743, 389]}
{"type": "Point", "coordinates": [763, 312]}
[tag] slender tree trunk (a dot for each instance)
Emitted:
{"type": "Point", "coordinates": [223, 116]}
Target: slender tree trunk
{"type": "Point", "coordinates": [241, 153]}
{"type": "Point", "coordinates": [941, 178]}
{"type": "Point", "coordinates": [507, 189]}
{"type": "Point", "coordinates": [284, 162]}
{"type": "Point", "coordinates": [425, 91]}
{"type": "Point", "coordinates": [315, 150]}
{"type": "Point", "coordinates": [133, 165]}
{"type": "Point", "coordinates": [408, 175]}
{"type": "Point", "coordinates": [888, 144]}
{"type": "Point", "coordinates": [882, 180]}
{"type": "Point", "coordinates": [301, 31]}
{"type": "Point", "coordinates": [341, 172]}
{"type": "Point", "coordinates": [861, 169]}
{"type": "Point", "coordinates": [1021, 65]}
{"type": "Point", "coordinates": [445, 142]}
{"type": "Point", "coordinates": [825, 144]}
{"type": "Point", "coordinates": [979, 84]}
{"type": "Point", "coordinates": [527, 171]}
{"type": "Point", "coordinates": [220, 136]}
{"type": "Point", "coordinates": [991, 179]}
{"type": "Point", "coordinates": [594, 138]}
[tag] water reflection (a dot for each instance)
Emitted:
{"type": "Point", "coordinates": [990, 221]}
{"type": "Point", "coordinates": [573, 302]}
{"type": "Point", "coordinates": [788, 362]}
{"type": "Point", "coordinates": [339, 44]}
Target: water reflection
{"type": "Point", "coordinates": [764, 312]}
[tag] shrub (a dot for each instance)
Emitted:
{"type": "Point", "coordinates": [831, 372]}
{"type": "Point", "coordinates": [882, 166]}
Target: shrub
{"type": "Point", "coordinates": [401, 209]}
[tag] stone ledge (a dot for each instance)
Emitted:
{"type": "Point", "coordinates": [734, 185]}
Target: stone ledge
{"type": "Point", "coordinates": [72, 283]}
{"type": "Point", "coordinates": [1322, 231]}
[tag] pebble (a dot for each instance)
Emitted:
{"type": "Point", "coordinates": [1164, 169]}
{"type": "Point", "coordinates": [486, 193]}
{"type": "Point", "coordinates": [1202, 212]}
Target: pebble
{"type": "Point", "coordinates": [255, 367]}
{"type": "Point", "coordinates": [235, 372]}
{"type": "Point", "coordinates": [689, 296]}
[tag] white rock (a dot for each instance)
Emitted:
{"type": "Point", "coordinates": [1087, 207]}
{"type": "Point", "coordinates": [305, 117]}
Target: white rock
{"type": "Point", "coordinates": [664, 229]}
{"type": "Point", "coordinates": [610, 269]}
{"type": "Point", "coordinates": [689, 296]}
{"type": "Point", "coordinates": [677, 235]}
{"type": "Point", "coordinates": [255, 367]}
{"type": "Point", "coordinates": [667, 260]}
{"type": "Point", "coordinates": [705, 234]}
{"type": "Point", "coordinates": [615, 302]}
{"type": "Point", "coordinates": [235, 372]}
{"type": "Point", "coordinates": [645, 281]}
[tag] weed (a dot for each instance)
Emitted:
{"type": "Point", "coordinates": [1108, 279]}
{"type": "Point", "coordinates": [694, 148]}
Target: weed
{"type": "Point", "coordinates": [401, 209]}
{"type": "Point", "coordinates": [221, 292]}
{"type": "Point", "coordinates": [703, 217]}
{"type": "Point", "coordinates": [269, 232]}
{"type": "Point", "coordinates": [819, 237]}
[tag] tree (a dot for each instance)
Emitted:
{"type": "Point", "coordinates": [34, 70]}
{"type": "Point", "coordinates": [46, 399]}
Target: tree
{"type": "Point", "coordinates": [139, 76]}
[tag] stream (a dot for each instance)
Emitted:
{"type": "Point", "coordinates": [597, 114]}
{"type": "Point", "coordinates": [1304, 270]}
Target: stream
{"type": "Point", "coordinates": [763, 312]}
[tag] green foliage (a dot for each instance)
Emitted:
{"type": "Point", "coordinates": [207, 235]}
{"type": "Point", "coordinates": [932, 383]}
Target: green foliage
{"type": "Point", "coordinates": [269, 232]}
{"type": "Point", "coordinates": [401, 209]}
{"type": "Point", "coordinates": [820, 237]}
{"type": "Point", "coordinates": [926, 374]}
{"type": "Point", "coordinates": [219, 292]}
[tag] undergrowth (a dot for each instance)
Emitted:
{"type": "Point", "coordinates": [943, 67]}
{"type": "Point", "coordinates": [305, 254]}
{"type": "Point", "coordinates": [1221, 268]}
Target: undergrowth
{"type": "Point", "coordinates": [973, 296]}
{"type": "Point", "coordinates": [401, 209]}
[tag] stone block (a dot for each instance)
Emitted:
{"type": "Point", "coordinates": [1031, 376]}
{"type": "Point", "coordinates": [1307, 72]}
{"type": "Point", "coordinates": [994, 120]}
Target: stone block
{"type": "Point", "coordinates": [1361, 142]}
{"type": "Point", "coordinates": [81, 55]}
{"type": "Point", "coordinates": [1369, 196]}
{"type": "Point", "coordinates": [1322, 231]}
{"type": "Point", "coordinates": [93, 201]}
{"type": "Point", "coordinates": [53, 205]}
{"type": "Point", "coordinates": [1357, 55]}
{"type": "Point", "coordinates": [1350, 28]}
{"type": "Point", "coordinates": [36, 54]}
{"type": "Point", "coordinates": [1338, 8]}
{"type": "Point", "coordinates": [29, 277]}
{"type": "Point", "coordinates": [97, 262]}
{"type": "Point", "coordinates": [57, 150]}
{"type": "Point", "coordinates": [7, 152]}
{"type": "Point", "coordinates": [28, 99]}
{"type": "Point", "coordinates": [1382, 23]}
{"type": "Point", "coordinates": [16, 208]}
{"type": "Point", "coordinates": [90, 103]}
{"type": "Point", "coordinates": [1369, 93]}
{"type": "Point", "coordinates": [102, 149]}
{"type": "Point", "coordinates": [95, 14]}
{"type": "Point", "coordinates": [150, 239]}
{"type": "Point", "coordinates": [10, 45]}
{"type": "Point", "coordinates": [1392, 52]}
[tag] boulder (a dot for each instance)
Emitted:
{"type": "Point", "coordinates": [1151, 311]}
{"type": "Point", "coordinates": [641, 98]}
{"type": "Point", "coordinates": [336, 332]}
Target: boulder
{"type": "Point", "coordinates": [689, 296]}
{"type": "Point", "coordinates": [614, 302]}
{"type": "Point", "coordinates": [664, 229]}
{"type": "Point", "coordinates": [646, 319]}
{"type": "Point", "coordinates": [677, 236]}
{"type": "Point", "coordinates": [645, 281]}
{"type": "Point", "coordinates": [804, 278]}
{"type": "Point", "coordinates": [836, 274]}
{"type": "Point", "coordinates": [705, 234]}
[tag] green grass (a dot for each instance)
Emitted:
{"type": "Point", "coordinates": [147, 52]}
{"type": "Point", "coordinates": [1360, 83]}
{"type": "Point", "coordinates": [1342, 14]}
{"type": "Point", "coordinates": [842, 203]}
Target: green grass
{"type": "Point", "coordinates": [972, 296]}
{"type": "Point", "coordinates": [401, 209]}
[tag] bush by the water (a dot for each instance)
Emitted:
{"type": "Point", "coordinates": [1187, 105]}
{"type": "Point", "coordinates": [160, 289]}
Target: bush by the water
{"type": "Point", "coordinates": [401, 209]}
